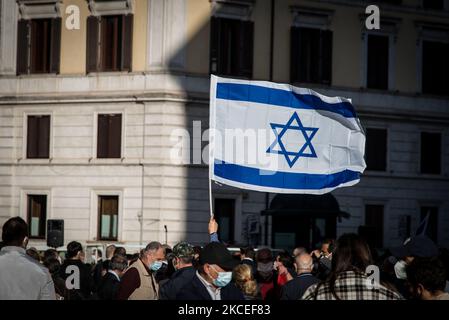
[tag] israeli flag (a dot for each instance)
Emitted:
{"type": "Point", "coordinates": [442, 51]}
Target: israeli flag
{"type": "Point", "coordinates": [278, 138]}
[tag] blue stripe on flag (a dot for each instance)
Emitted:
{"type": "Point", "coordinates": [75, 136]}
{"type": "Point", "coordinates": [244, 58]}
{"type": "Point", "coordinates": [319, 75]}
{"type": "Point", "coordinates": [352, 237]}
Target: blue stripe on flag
{"type": "Point", "coordinates": [283, 98]}
{"type": "Point", "coordinates": [282, 180]}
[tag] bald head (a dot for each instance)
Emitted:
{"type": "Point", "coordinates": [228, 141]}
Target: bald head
{"type": "Point", "coordinates": [298, 251]}
{"type": "Point", "coordinates": [304, 263]}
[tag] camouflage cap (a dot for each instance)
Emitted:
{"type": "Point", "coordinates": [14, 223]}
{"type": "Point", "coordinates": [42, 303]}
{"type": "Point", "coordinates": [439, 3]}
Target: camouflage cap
{"type": "Point", "coordinates": [183, 249]}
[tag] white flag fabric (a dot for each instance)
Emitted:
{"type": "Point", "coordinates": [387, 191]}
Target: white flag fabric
{"type": "Point", "coordinates": [278, 138]}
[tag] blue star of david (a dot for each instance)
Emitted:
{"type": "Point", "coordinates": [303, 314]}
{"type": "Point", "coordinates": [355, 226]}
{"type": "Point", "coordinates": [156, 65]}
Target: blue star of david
{"type": "Point", "coordinates": [290, 156]}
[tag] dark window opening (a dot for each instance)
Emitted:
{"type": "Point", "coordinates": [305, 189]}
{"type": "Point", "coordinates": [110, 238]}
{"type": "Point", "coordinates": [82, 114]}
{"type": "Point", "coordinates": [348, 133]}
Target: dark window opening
{"type": "Point", "coordinates": [311, 55]}
{"type": "Point", "coordinates": [37, 215]}
{"type": "Point", "coordinates": [231, 50]}
{"type": "Point", "coordinates": [38, 46]}
{"type": "Point", "coordinates": [431, 152]}
{"type": "Point", "coordinates": [109, 138]}
{"type": "Point", "coordinates": [109, 43]}
{"type": "Point", "coordinates": [108, 217]}
{"type": "Point", "coordinates": [38, 137]}
{"type": "Point", "coordinates": [376, 149]}
{"type": "Point", "coordinates": [377, 77]}
{"type": "Point", "coordinates": [435, 68]}
{"type": "Point", "coordinates": [225, 215]}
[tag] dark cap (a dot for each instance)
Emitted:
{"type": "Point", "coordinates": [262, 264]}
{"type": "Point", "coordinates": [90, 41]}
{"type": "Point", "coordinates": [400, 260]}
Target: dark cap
{"type": "Point", "coordinates": [216, 253]}
{"type": "Point", "coordinates": [419, 246]}
{"type": "Point", "coordinates": [183, 249]}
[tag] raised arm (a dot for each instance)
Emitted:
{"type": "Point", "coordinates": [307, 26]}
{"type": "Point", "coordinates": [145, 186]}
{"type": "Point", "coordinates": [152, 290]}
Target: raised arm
{"type": "Point", "coordinates": [213, 230]}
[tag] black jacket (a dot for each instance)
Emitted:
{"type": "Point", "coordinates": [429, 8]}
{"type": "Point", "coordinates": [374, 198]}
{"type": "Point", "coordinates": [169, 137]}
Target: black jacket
{"type": "Point", "coordinates": [108, 288]}
{"type": "Point", "coordinates": [295, 288]}
{"type": "Point", "coordinates": [178, 280]}
{"type": "Point", "coordinates": [195, 290]}
{"type": "Point", "coordinates": [96, 274]}
{"type": "Point", "coordinates": [86, 282]}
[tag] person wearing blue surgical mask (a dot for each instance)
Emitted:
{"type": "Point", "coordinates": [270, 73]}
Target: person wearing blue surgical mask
{"type": "Point", "coordinates": [212, 281]}
{"type": "Point", "coordinates": [139, 282]}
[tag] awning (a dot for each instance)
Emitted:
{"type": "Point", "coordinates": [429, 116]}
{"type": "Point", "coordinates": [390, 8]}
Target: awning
{"type": "Point", "coordinates": [312, 205]}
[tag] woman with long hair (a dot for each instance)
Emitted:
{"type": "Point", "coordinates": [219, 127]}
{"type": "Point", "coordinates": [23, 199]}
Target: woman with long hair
{"type": "Point", "coordinates": [348, 279]}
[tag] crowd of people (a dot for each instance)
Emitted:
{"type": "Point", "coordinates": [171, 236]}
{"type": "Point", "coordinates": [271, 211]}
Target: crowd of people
{"type": "Point", "coordinates": [344, 269]}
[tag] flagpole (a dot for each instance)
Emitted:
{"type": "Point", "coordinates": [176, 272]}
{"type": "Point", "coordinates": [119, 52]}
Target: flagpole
{"type": "Point", "coordinates": [210, 196]}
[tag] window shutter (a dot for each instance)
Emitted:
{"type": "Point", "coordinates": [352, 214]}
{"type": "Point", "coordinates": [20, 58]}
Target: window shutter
{"type": "Point", "coordinates": [55, 51]}
{"type": "Point", "coordinates": [294, 53]}
{"type": "Point", "coordinates": [92, 43]}
{"type": "Point", "coordinates": [23, 46]}
{"type": "Point", "coordinates": [326, 62]}
{"type": "Point", "coordinates": [127, 42]}
{"type": "Point", "coordinates": [215, 31]}
{"type": "Point", "coordinates": [115, 136]}
{"type": "Point", "coordinates": [44, 137]}
{"type": "Point", "coordinates": [32, 137]}
{"type": "Point", "coordinates": [102, 136]}
{"type": "Point", "coordinates": [246, 49]}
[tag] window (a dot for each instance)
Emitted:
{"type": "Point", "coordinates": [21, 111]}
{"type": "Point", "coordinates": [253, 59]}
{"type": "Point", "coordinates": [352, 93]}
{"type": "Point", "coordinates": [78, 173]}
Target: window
{"type": "Point", "coordinates": [374, 224]}
{"type": "Point", "coordinates": [435, 68]}
{"type": "Point", "coordinates": [38, 137]}
{"type": "Point", "coordinates": [225, 215]}
{"type": "Point", "coordinates": [432, 224]}
{"type": "Point", "coordinates": [311, 55]}
{"type": "Point", "coordinates": [109, 138]}
{"type": "Point", "coordinates": [431, 152]}
{"type": "Point", "coordinates": [377, 62]}
{"type": "Point", "coordinates": [231, 51]}
{"type": "Point", "coordinates": [37, 215]}
{"type": "Point", "coordinates": [376, 149]}
{"type": "Point", "coordinates": [433, 4]}
{"type": "Point", "coordinates": [108, 217]}
{"type": "Point", "coordinates": [109, 43]}
{"type": "Point", "coordinates": [38, 46]}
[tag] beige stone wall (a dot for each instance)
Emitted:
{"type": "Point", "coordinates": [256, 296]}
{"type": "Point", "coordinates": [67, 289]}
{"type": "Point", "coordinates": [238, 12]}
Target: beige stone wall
{"type": "Point", "coordinates": [346, 48]}
{"type": "Point", "coordinates": [73, 42]}
{"type": "Point", "coordinates": [406, 51]}
{"type": "Point", "coordinates": [347, 41]}
{"type": "Point", "coordinates": [261, 54]}
{"type": "Point", "coordinates": [198, 36]}
{"type": "Point", "coordinates": [140, 35]}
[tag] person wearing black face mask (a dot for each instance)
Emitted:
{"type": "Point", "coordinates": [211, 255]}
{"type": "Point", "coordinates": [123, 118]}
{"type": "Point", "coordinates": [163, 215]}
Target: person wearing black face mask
{"type": "Point", "coordinates": [183, 254]}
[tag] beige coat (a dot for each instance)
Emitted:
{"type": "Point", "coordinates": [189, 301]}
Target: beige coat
{"type": "Point", "coordinates": [149, 289]}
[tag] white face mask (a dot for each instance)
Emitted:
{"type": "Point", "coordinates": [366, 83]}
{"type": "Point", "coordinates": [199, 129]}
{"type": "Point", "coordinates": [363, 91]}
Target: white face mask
{"type": "Point", "coordinates": [400, 270]}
